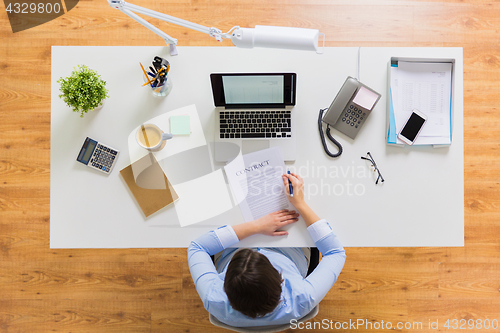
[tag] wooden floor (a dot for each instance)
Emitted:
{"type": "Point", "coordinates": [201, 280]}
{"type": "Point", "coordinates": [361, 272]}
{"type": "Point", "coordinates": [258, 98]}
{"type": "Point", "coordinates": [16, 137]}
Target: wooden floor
{"type": "Point", "coordinates": [140, 290]}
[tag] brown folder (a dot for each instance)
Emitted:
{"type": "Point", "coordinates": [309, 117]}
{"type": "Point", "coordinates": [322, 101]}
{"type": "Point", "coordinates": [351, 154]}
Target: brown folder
{"type": "Point", "coordinates": [149, 184]}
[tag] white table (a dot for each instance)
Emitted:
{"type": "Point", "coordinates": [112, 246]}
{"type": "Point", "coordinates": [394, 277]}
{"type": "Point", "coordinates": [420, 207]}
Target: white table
{"type": "Point", "coordinates": [420, 204]}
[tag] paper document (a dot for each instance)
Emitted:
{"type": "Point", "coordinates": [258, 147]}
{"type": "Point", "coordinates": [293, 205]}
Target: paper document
{"type": "Point", "coordinates": [256, 182]}
{"type": "Point", "coordinates": [424, 86]}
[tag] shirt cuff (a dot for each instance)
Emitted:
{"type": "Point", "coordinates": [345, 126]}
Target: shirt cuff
{"type": "Point", "coordinates": [319, 230]}
{"type": "Point", "coordinates": [226, 235]}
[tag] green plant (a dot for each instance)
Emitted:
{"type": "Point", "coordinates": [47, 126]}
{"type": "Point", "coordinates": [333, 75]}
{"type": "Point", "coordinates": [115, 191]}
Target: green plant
{"type": "Point", "coordinates": [83, 90]}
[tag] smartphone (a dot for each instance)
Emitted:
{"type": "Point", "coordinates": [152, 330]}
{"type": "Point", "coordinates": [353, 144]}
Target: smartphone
{"type": "Point", "coordinates": [412, 128]}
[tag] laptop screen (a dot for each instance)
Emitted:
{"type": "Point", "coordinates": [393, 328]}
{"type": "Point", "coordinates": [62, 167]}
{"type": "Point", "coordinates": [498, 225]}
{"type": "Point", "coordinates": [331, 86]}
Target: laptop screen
{"type": "Point", "coordinates": [249, 90]}
{"type": "Point", "coordinates": [253, 89]}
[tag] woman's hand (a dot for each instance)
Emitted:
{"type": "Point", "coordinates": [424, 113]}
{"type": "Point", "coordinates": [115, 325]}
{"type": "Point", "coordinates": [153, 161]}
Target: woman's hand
{"type": "Point", "coordinates": [297, 200]}
{"type": "Point", "coordinates": [271, 223]}
{"type": "Point", "coordinates": [267, 225]}
{"type": "Point", "coordinates": [298, 189]}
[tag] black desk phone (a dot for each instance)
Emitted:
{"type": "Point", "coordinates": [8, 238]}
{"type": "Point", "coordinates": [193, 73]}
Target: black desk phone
{"type": "Point", "coordinates": [348, 111]}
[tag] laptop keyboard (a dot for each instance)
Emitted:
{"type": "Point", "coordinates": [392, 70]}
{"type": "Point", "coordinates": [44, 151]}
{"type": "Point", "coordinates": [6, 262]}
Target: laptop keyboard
{"type": "Point", "coordinates": [255, 124]}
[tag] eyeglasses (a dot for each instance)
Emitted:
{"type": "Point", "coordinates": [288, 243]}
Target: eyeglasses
{"type": "Point", "coordinates": [374, 165]}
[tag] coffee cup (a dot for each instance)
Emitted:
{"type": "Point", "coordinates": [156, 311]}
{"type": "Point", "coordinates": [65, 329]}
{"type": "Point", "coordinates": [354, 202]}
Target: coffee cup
{"type": "Point", "coordinates": [151, 137]}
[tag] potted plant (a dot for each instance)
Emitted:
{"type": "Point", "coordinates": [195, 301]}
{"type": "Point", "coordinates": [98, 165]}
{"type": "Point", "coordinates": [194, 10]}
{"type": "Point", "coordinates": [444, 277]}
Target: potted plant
{"type": "Point", "coordinates": [83, 90]}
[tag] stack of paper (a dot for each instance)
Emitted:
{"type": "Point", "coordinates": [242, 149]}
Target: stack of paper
{"type": "Point", "coordinates": [256, 182]}
{"type": "Point", "coordinates": [427, 87]}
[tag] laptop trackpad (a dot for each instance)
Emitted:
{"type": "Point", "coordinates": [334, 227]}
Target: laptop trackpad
{"type": "Point", "coordinates": [250, 146]}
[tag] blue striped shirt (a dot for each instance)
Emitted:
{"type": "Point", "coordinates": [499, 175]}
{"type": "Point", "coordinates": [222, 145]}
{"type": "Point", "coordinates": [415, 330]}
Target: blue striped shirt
{"type": "Point", "coordinates": [299, 294]}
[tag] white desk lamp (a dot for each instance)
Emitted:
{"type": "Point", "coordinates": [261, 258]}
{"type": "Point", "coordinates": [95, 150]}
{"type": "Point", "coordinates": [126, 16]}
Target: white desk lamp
{"type": "Point", "coordinates": [260, 36]}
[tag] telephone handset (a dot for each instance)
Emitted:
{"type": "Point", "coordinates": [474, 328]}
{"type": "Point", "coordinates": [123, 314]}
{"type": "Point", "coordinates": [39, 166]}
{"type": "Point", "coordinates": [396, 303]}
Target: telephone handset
{"type": "Point", "coordinates": [351, 107]}
{"type": "Point", "coordinates": [348, 111]}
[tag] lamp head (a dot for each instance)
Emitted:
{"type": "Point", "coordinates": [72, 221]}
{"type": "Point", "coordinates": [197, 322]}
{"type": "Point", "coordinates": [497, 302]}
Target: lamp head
{"type": "Point", "coordinates": [276, 37]}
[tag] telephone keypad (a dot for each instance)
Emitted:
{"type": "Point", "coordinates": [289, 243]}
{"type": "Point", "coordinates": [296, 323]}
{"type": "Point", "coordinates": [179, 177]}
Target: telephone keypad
{"type": "Point", "coordinates": [351, 105]}
{"type": "Point", "coordinates": [353, 116]}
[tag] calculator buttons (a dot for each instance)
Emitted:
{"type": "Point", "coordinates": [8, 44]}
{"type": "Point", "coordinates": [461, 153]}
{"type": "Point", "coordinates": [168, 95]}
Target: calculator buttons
{"type": "Point", "coordinates": [102, 158]}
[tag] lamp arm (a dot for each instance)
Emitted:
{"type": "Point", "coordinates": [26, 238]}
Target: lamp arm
{"type": "Point", "coordinates": [260, 36]}
{"type": "Point", "coordinates": [128, 9]}
{"type": "Point", "coordinates": [167, 18]}
{"type": "Point", "coordinates": [167, 38]}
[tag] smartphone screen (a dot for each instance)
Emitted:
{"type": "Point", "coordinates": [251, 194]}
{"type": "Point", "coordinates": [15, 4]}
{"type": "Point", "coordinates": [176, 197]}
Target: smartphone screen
{"type": "Point", "coordinates": [412, 127]}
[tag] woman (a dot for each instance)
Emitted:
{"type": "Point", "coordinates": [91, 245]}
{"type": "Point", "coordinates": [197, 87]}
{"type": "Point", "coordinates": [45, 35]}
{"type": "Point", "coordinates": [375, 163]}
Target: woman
{"type": "Point", "coordinates": [265, 286]}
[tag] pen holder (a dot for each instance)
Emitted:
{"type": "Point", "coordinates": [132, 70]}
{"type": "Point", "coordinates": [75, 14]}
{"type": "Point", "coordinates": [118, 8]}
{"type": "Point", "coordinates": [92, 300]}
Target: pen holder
{"type": "Point", "coordinates": [162, 90]}
{"type": "Point", "coordinates": [157, 78]}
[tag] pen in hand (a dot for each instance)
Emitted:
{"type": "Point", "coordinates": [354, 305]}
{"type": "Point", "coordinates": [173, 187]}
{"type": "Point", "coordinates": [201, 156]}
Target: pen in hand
{"type": "Point", "coordinates": [290, 185]}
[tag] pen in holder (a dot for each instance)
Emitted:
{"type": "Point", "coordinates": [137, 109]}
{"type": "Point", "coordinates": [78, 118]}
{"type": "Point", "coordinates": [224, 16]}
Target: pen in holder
{"type": "Point", "coordinates": [157, 78]}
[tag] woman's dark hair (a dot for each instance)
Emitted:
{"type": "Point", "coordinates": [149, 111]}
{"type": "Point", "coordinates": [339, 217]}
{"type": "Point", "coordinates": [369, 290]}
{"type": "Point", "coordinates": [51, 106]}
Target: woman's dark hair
{"type": "Point", "coordinates": [252, 284]}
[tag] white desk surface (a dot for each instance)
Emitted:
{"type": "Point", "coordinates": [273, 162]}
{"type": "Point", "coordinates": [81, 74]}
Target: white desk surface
{"type": "Point", "coordinates": [420, 204]}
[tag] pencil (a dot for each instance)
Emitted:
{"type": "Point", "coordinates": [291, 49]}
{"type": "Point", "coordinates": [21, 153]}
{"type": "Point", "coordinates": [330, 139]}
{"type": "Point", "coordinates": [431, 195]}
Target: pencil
{"type": "Point", "coordinates": [145, 74]}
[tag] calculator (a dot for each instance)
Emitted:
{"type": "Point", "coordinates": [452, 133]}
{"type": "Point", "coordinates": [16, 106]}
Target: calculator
{"type": "Point", "coordinates": [98, 156]}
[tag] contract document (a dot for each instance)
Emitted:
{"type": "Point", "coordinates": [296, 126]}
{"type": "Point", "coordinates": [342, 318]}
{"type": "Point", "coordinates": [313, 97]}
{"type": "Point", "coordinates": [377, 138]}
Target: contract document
{"type": "Point", "coordinates": [256, 182]}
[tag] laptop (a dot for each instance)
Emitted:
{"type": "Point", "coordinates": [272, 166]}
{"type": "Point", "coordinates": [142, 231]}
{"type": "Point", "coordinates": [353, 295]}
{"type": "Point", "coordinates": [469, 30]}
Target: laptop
{"type": "Point", "coordinates": [254, 111]}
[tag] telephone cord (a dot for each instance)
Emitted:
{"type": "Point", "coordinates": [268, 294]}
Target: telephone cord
{"type": "Point", "coordinates": [322, 136]}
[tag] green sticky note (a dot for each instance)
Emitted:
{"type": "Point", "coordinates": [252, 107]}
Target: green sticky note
{"type": "Point", "coordinates": [180, 125]}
